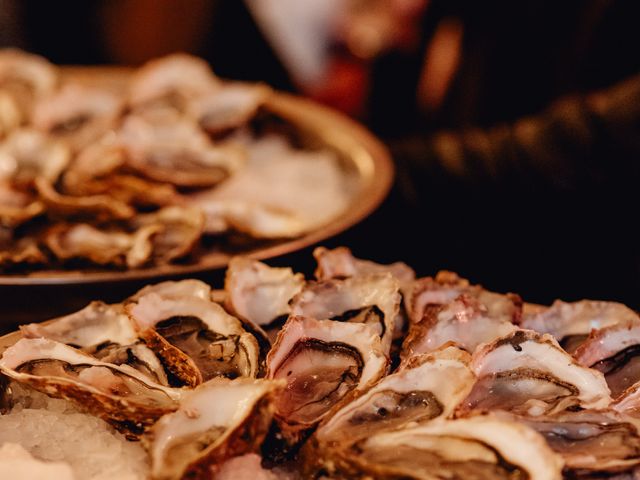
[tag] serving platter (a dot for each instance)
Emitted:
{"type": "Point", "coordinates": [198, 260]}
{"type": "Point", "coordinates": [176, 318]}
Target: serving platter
{"type": "Point", "coordinates": [364, 160]}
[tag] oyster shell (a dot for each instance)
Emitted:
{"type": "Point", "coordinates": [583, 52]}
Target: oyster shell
{"type": "Point", "coordinates": [324, 363]}
{"type": "Point", "coordinates": [77, 114]}
{"type": "Point", "coordinates": [340, 263]}
{"type": "Point", "coordinates": [529, 373]}
{"type": "Point", "coordinates": [174, 290]}
{"type": "Point", "coordinates": [119, 394]}
{"type": "Point", "coordinates": [258, 293]}
{"type": "Point", "coordinates": [177, 152]}
{"type": "Point", "coordinates": [25, 251]}
{"type": "Point", "coordinates": [188, 442]}
{"type": "Point", "coordinates": [27, 154]}
{"type": "Point", "coordinates": [429, 387]}
{"type": "Point", "coordinates": [372, 299]}
{"type": "Point", "coordinates": [102, 247]}
{"type": "Point", "coordinates": [466, 322]}
{"type": "Point", "coordinates": [614, 351]}
{"type": "Point", "coordinates": [17, 207]}
{"type": "Point", "coordinates": [196, 338]}
{"type": "Point", "coordinates": [478, 448]}
{"type": "Point", "coordinates": [10, 115]}
{"type": "Point", "coordinates": [571, 323]}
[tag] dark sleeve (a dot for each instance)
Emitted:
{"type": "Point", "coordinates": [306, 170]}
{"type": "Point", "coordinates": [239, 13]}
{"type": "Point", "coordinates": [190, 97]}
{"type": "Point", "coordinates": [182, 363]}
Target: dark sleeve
{"type": "Point", "coordinates": [577, 143]}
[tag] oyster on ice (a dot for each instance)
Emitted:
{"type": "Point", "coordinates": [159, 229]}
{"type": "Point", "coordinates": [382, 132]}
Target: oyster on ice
{"type": "Point", "coordinates": [430, 386]}
{"type": "Point", "coordinates": [119, 394]}
{"type": "Point", "coordinates": [259, 293]}
{"type": "Point", "coordinates": [466, 322]}
{"type": "Point", "coordinates": [340, 263]}
{"type": "Point", "coordinates": [571, 323]}
{"type": "Point", "coordinates": [614, 351]}
{"type": "Point", "coordinates": [528, 373]}
{"type": "Point", "coordinates": [196, 338]}
{"type": "Point", "coordinates": [372, 299]}
{"type": "Point", "coordinates": [324, 363]}
{"type": "Point", "coordinates": [217, 420]}
{"type": "Point", "coordinates": [479, 448]}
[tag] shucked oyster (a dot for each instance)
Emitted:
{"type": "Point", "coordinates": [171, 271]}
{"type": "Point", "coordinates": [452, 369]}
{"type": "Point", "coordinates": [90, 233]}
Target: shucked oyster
{"type": "Point", "coordinates": [196, 338]}
{"type": "Point", "coordinates": [340, 263]}
{"type": "Point", "coordinates": [323, 362]}
{"type": "Point", "coordinates": [119, 394]}
{"type": "Point", "coordinates": [571, 323]}
{"type": "Point", "coordinates": [259, 293]}
{"type": "Point", "coordinates": [466, 321]}
{"type": "Point", "coordinates": [475, 448]}
{"type": "Point", "coordinates": [529, 373]}
{"type": "Point", "coordinates": [216, 421]}
{"type": "Point", "coordinates": [614, 351]}
{"type": "Point", "coordinates": [429, 387]}
{"type": "Point", "coordinates": [370, 299]}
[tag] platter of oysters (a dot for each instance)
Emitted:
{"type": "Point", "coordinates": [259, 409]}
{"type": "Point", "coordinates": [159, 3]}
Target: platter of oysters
{"type": "Point", "coordinates": [364, 371]}
{"type": "Point", "coordinates": [112, 174]}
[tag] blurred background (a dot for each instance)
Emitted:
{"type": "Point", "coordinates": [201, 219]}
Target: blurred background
{"type": "Point", "coordinates": [515, 126]}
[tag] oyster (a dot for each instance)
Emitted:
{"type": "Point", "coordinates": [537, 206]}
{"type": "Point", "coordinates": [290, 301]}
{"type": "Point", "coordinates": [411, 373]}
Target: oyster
{"type": "Point", "coordinates": [372, 299]}
{"type": "Point", "coordinates": [229, 106]}
{"type": "Point", "coordinates": [429, 387]}
{"type": "Point", "coordinates": [10, 115]}
{"type": "Point", "coordinates": [178, 231]}
{"type": "Point", "coordinates": [25, 251]}
{"type": "Point", "coordinates": [174, 290]}
{"type": "Point", "coordinates": [117, 248]}
{"type": "Point", "coordinates": [259, 293]}
{"type": "Point", "coordinates": [571, 323]}
{"type": "Point", "coordinates": [478, 448]}
{"type": "Point", "coordinates": [171, 83]}
{"type": "Point", "coordinates": [119, 394]}
{"type": "Point", "coordinates": [529, 373]}
{"type": "Point", "coordinates": [177, 152]}
{"type": "Point", "coordinates": [340, 263]}
{"type": "Point", "coordinates": [465, 321]}
{"type": "Point", "coordinates": [27, 154]}
{"type": "Point", "coordinates": [17, 207]}
{"type": "Point", "coordinates": [77, 114]}
{"type": "Point", "coordinates": [196, 338]}
{"type": "Point", "coordinates": [188, 442]}
{"type": "Point", "coordinates": [594, 443]}
{"type": "Point", "coordinates": [99, 159]}
{"type": "Point", "coordinates": [614, 351]}
{"type": "Point", "coordinates": [324, 363]}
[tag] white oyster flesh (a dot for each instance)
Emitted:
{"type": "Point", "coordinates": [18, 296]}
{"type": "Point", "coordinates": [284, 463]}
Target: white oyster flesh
{"type": "Point", "coordinates": [431, 386]}
{"type": "Point", "coordinates": [197, 436]}
{"type": "Point", "coordinates": [323, 362]}
{"type": "Point", "coordinates": [18, 464]}
{"type": "Point", "coordinates": [95, 324]}
{"type": "Point", "coordinates": [213, 339]}
{"type": "Point", "coordinates": [466, 322]}
{"type": "Point", "coordinates": [614, 351]}
{"type": "Point", "coordinates": [293, 190]}
{"type": "Point", "coordinates": [479, 447]}
{"type": "Point", "coordinates": [259, 293]}
{"type": "Point", "coordinates": [340, 263]}
{"type": "Point", "coordinates": [371, 299]}
{"type": "Point", "coordinates": [529, 373]}
{"type": "Point", "coordinates": [571, 322]}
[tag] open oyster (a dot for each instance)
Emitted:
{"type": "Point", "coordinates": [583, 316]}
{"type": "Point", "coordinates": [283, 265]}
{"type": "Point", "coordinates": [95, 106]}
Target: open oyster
{"type": "Point", "coordinates": [117, 248]}
{"type": "Point", "coordinates": [429, 387]}
{"type": "Point", "coordinates": [370, 299]}
{"type": "Point", "coordinates": [216, 421]}
{"type": "Point", "coordinates": [119, 394]}
{"type": "Point", "coordinates": [340, 263]}
{"type": "Point", "coordinates": [466, 322]}
{"type": "Point", "coordinates": [323, 362]}
{"type": "Point", "coordinates": [77, 114]}
{"type": "Point", "coordinates": [478, 448]}
{"type": "Point", "coordinates": [196, 338]}
{"type": "Point", "coordinates": [529, 373]}
{"type": "Point", "coordinates": [571, 323]}
{"type": "Point", "coordinates": [259, 293]}
{"type": "Point", "coordinates": [593, 443]}
{"type": "Point", "coordinates": [614, 351]}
